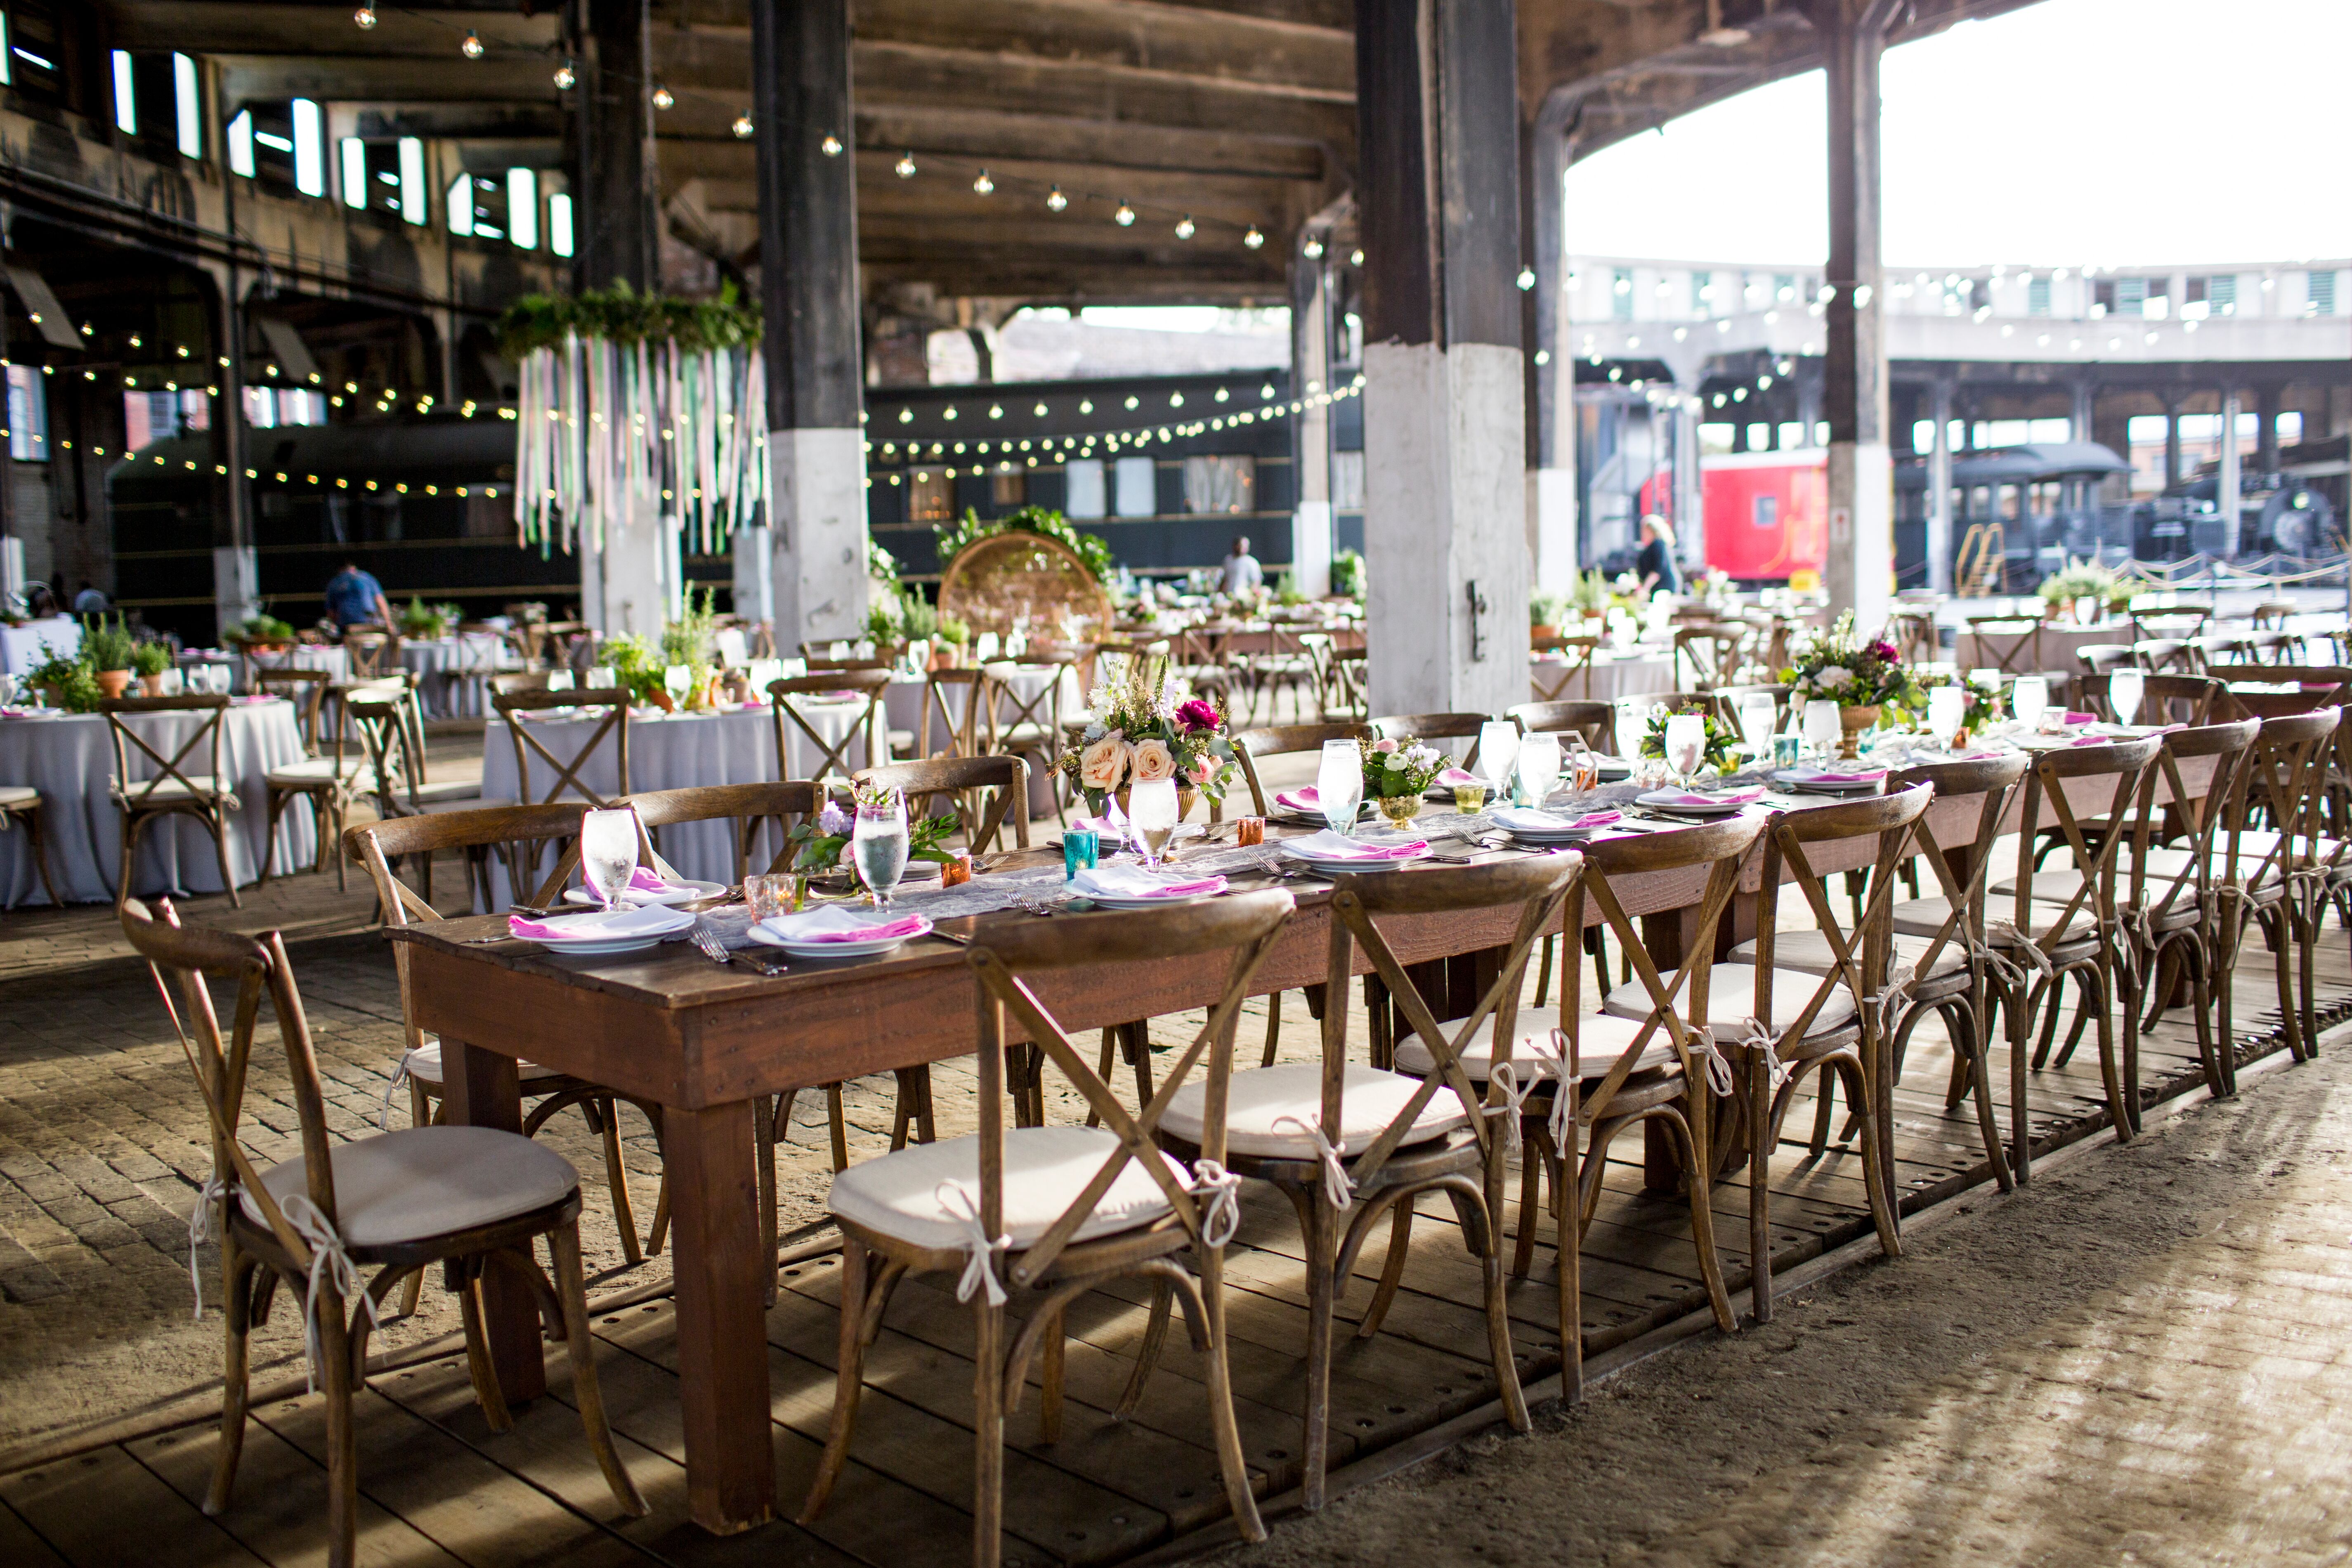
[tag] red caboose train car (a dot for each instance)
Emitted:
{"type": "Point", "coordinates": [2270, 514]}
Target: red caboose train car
{"type": "Point", "coordinates": [1767, 512]}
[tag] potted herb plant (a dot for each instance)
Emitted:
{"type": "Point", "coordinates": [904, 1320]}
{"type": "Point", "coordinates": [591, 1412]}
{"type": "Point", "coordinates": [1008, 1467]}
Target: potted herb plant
{"type": "Point", "coordinates": [151, 661]}
{"type": "Point", "coordinates": [108, 648]}
{"type": "Point", "coordinates": [1545, 612]}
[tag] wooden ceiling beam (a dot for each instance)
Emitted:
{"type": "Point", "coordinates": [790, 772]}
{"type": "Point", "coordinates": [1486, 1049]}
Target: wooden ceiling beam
{"type": "Point", "coordinates": [208, 27]}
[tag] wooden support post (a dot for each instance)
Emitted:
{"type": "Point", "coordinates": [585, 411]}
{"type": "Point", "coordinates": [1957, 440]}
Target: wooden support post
{"type": "Point", "coordinates": [1860, 566]}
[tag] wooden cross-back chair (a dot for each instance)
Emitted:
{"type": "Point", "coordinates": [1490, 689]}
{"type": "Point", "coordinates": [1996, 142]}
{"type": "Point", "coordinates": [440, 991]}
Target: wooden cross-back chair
{"type": "Point", "coordinates": [1028, 727]}
{"type": "Point", "coordinates": [1350, 1144]}
{"type": "Point", "coordinates": [518, 709]}
{"type": "Point", "coordinates": [2172, 623]}
{"type": "Point", "coordinates": [1675, 701]}
{"type": "Point", "coordinates": [1711, 655]}
{"type": "Point", "coordinates": [378, 848]}
{"type": "Point", "coordinates": [871, 726]}
{"type": "Point", "coordinates": [1571, 678]}
{"type": "Point", "coordinates": [971, 731]}
{"type": "Point", "coordinates": [1915, 636]}
{"type": "Point", "coordinates": [209, 797]}
{"type": "Point", "coordinates": [1345, 685]}
{"type": "Point", "coordinates": [384, 733]}
{"type": "Point", "coordinates": [983, 793]}
{"type": "Point", "coordinates": [1292, 662]}
{"type": "Point", "coordinates": [1926, 932]}
{"type": "Point", "coordinates": [328, 776]}
{"type": "Point", "coordinates": [2013, 643]}
{"type": "Point", "coordinates": [2036, 945]}
{"type": "Point", "coordinates": [2164, 699]}
{"type": "Point", "coordinates": [1595, 721]}
{"type": "Point", "coordinates": [2102, 658]}
{"type": "Point", "coordinates": [1056, 1212]}
{"type": "Point", "coordinates": [1252, 746]}
{"type": "Point", "coordinates": [1840, 1027]}
{"type": "Point", "coordinates": [373, 655]}
{"type": "Point", "coordinates": [310, 1223]}
{"type": "Point", "coordinates": [2170, 655]}
{"type": "Point", "coordinates": [1435, 727]}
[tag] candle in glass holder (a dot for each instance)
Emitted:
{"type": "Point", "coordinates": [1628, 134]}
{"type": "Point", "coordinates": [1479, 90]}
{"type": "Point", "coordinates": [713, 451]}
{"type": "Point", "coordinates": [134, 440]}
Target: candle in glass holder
{"type": "Point", "coordinates": [956, 870]}
{"type": "Point", "coordinates": [1249, 831]}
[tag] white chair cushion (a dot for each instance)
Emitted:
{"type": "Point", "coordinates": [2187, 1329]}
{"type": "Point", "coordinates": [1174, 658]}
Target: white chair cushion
{"type": "Point", "coordinates": [155, 791]}
{"type": "Point", "coordinates": [1808, 953]}
{"type": "Point", "coordinates": [1368, 1100]}
{"type": "Point", "coordinates": [1925, 916]}
{"type": "Point", "coordinates": [423, 1065]}
{"type": "Point", "coordinates": [323, 770]}
{"type": "Point", "coordinates": [428, 1181]}
{"type": "Point", "coordinates": [1731, 999]}
{"type": "Point", "coordinates": [12, 795]}
{"type": "Point", "coordinates": [1045, 1170]}
{"type": "Point", "coordinates": [1600, 1039]}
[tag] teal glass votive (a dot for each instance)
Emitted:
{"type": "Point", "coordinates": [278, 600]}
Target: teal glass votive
{"type": "Point", "coordinates": [1786, 748]}
{"type": "Point", "coordinates": [1081, 849]}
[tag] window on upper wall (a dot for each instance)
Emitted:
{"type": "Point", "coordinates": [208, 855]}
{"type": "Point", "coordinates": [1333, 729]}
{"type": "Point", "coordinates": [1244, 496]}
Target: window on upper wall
{"type": "Point", "coordinates": [1347, 482]}
{"type": "Point", "coordinates": [28, 414]}
{"type": "Point", "coordinates": [1009, 486]}
{"type": "Point", "coordinates": [32, 49]}
{"type": "Point", "coordinates": [931, 496]}
{"type": "Point", "coordinates": [1081, 487]}
{"type": "Point", "coordinates": [1136, 486]}
{"type": "Point", "coordinates": [2037, 297]}
{"type": "Point", "coordinates": [1226, 483]}
{"type": "Point", "coordinates": [2319, 293]}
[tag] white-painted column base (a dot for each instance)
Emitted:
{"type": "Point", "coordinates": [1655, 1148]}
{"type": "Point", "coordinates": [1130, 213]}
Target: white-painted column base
{"type": "Point", "coordinates": [1446, 507]}
{"type": "Point", "coordinates": [639, 583]}
{"type": "Point", "coordinates": [1860, 570]}
{"type": "Point", "coordinates": [1551, 528]}
{"type": "Point", "coordinates": [12, 565]}
{"type": "Point", "coordinates": [755, 578]}
{"type": "Point", "coordinates": [816, 483]}
{"type": "Point", "coordinates": [237, 583]}
{"type": "Point", "coordinates": [1310, 548]}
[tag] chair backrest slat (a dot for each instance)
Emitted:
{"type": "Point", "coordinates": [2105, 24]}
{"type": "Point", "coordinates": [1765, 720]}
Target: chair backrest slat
{"type": "Point", "coordinates": [984, 792]}
{"type": "Point", "coordinates": [791, 700]}
{"type": "Point", "coordinates": [1287, 740]}
{"type": "Point", "coordinates": [516, 708]}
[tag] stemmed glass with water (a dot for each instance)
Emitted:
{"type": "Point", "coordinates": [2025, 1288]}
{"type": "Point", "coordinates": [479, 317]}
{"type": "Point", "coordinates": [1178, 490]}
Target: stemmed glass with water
{"type": "Point", "coordinates": [1151, 813]}
{"type": "Point", "coordinates": [1758, 713]}
{"type": "Point", "coordinates": [2124, 689]}
{"type": "Point", "coordinates": [1338, 785]}
{"type": "Point", "coordinates": [879, 843]}
{"type": "Point", "coordinates": [1824, 728]}
{"type": "Point", "coordinates": [1498, 750]}
{"type": "Point", "coordinates": [1539, 766]}
{"type": "Point", "coordinates": [1686, 744]}
{"type": "Point", "coordinates": [2029, 699]}
{"type": "Point", "coordinates": [1632, 728]}
{"type": "Point", "coordinates": [1947, 707]}
{"type": "Point", "coordinates": [608, 852]}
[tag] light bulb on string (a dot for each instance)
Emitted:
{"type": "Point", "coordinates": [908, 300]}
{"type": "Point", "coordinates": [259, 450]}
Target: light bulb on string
{"type": "Point", "coordinates": [566, 77]}
{"type": "Point", "coordinates": [830, 146]}
{"type": "Point", "coordinates": [1054, 200]}
{"type": "Point", "coordinates": [364, 16]}
{"type": "Point", "coordinates": [743, 128]}
{"type": "Point", "coordinates": [1313, 249]}
{"type": "Point", "coordinates": [1253, 238]}
{"type": "Point", "coordinates": [1125, 215]}
{"type": "Point", "coordinates": [981, 185]}
{"type": "Point", "coordinates": [664, 97]}
{"type": "Point", "coordinates": [1184, 229]}
{"type": "Point", "coordinates": [905, 167]}
{"type": "Point", "coordinates": [1355, 259]}
{"type": "Point", "coordinates": [472, 48]}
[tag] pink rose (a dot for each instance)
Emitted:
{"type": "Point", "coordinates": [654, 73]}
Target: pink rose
{"type": "Point", "coordinates": [1153, 761]}
{"type": "Point", "coordinates": [1384, 745]}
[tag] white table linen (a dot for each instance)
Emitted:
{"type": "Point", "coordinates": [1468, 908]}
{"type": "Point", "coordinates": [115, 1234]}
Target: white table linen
{"type": "Point", "coordinates": [71, 760]}
{"type": "Point", "coordinates": [1611, 676]}
{"type": "Point", "coordinates": [454, 672]}
{"type": "Point", "coordinates": [22, 648]}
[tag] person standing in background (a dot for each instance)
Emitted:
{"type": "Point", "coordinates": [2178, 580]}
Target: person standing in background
{"type": "Point", "coordinates": [1243, 574]}
{"type": "Point", "coordinates": [356, 598]}
{"type": "Point", "coordinates": [1655, 563]}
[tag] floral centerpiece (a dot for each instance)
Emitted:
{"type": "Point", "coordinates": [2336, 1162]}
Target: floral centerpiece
{"type": "Point", "coordinates": [818, 842]}
{"type": "Point", "coordinates": [2085, 584]}
{"type": "Point", "coordinates": [1396, 773]}
{"type": "Point", "coordinates": [1861, 677]}
{"type": "Point", "coordinates": [421, 622]}
{"type": "Point", "coordinates": [1148, 725]}
{"type": "Point", "coordinates": [1721, 737]}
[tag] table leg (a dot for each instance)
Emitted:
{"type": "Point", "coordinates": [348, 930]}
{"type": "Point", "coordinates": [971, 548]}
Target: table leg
{"type": "Point", "coordinates": [479, 1088]}
{"type": "Point", "coordinates": [723, 1340]}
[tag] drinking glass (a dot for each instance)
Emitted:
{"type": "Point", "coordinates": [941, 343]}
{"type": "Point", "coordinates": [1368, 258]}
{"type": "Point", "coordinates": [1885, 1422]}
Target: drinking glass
{"type": "Point", "coordinates": [559, 680]}
{"type": "Point", "coordinates": [1152, 810]}
{"type": "Point", "coordinates": [1339, 784]}
{"type": "Point", "coordinates": [1633, 726]}
{"type": "Point", "coordinates": [2029, 699]}
{"type": "Point", "coordinates": [1584, 767]}
{"type": "Point", "coordinates": [1757, 714]}
{"type": "Point", "coordinates": [676, 679]}
{"type": "Point", "coordinates": [1947, 707]}
{"type": "Point", "coordinates": [2124, 687]}
{"type": "Point", "coordinates": [608, 852]}
{"type": "Point", "coordinates": [1824, 727]}
{"type": "Point", "coordinates": [1499, 747]}
{"type": "Point", "coordinates": [1538, 763]}
{"type": "Point", "coordinates": [1686, 744]}
{"type": "Point", "coordinates": [879, 843]}
{"type": "Point", "coordinates": [600, 675]}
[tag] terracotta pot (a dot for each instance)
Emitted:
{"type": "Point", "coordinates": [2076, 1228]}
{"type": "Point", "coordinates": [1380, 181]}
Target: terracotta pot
{"type": "Point", "coordinates": [1856, 719]}
{"type": "Point", "coordinates": [152, 685]}
{"type": "Point", "coordinates": [111, 682]}
{"type": "Point", "coordinates": [1538, 631]}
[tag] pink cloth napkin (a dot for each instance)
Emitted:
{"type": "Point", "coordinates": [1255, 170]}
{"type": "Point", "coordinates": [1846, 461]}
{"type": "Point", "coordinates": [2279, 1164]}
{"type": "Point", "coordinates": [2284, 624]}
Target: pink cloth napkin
{"type": "Point", "coordinates": [1299, 799]}
{"type": "Point", "coordinates": [1329, 846]}
{"type": "Point", "coordinates": [906, 925]}
{"type": "Point", "coordinates": [1595, 819]}
{"type": "Point", "coordinates": [1735, 797]}
{"type": "Point", "coordinates": [1864, 775]}
{"type": "Point", "coordinates": [644, 880]}
{"type": "Point", "coordinates": [1191, 890]}
{"type": "Point", "coordinates": [2089, 740]}
{"type": "Point", "coordinates": [1454, 778]}
{"type": "Point", "coordinates": [2075, 718]}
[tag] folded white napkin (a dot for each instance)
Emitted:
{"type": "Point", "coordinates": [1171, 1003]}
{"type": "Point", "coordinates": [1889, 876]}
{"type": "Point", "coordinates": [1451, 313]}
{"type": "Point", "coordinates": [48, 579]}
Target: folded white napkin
{"type": "Point", "coordinates": [597, 925]}
{"type": "Point", "coordinates": [1522, 819]}
{"type": "Point", "coordinates": [1135, 882]}
{"type": "Point", "coordinates": [1329, 846]}
{"type": "Point", "coordinates": [833, 923]}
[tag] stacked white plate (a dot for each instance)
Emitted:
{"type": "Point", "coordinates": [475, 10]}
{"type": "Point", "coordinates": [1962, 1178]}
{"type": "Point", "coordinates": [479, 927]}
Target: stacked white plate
{"type": "Point", "coordinates": [1682, 803]}
{"type": "Point", "coordinates": [638, 897]}
{"type": "Point", "coordinates": [1329, 855]}
{"type": "Point", "coordinates": [601, 935]}
{"type": "Point", "coordinates": [1531, 826]}
{"type": "Point", "coordinates": [811, 934]}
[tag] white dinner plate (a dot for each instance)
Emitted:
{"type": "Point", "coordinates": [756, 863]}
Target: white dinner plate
{"type": "Point", "coordinates": [835, 949]}
{"type": "Point", "coordinates": [1808, 780]}
{"type": "Point", "coordinates": [591, 945]}
{"type": "Point", "coordinates": [1672, 803]}
{"type": "Point", "coordinates": [677, 893]}
{"type": "Point", "coordinates": [1323, 868]}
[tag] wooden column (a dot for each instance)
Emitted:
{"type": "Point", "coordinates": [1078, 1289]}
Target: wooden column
{"type": "Point", "coordinates": [1861, 473]}
{"type": "Point", "coordinates": [1552, 540]}
{"type": "Point", "coordinates": [1310, 433]}
{"type": "Point", "coordinates": [808, 289]}
{"type": "Point", "coordinates": [1939, 486]}
{"type": "Point", "coordinates": [614, 211]}
{"type": "Point", "coordinates": [1445, 434]}
{"type": "Point", "coordinates": [235, 567]}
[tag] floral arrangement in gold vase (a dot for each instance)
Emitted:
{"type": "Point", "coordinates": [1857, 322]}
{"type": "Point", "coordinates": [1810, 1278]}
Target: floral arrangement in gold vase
{"type": "Point", "coordinates": [1147, 726]}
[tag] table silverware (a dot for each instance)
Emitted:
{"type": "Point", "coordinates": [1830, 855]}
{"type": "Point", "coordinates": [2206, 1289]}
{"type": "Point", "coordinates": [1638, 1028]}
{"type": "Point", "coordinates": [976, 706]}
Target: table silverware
{"type": "Point", "coordinates": [707, 943]}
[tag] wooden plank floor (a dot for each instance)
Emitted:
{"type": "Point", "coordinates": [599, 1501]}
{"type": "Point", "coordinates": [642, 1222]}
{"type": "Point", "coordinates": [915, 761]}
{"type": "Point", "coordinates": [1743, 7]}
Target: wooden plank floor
{"type": "Point", "coordinates": [438, 1488]}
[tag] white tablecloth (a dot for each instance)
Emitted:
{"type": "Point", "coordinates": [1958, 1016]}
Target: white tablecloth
{"type": "Point", "coordinates": [454, 672]}
{"type": "Point", "coordinates": [1610, 676]}
{"type": "Point", "coordinates": [71, 760]}
{"type": "Point", "coordinates": [22, 648]}
{"type": "Point", "coordinates": [905, 703]}
{"type": "Point", "coordinates": [677, 752]}
{"type": "Point", "coordinates": [335, 660]}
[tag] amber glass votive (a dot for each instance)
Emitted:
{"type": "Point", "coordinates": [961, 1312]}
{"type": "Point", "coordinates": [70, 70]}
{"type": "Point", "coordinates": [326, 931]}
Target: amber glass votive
{"type": "Point", "coordinates": [956, 870]}
{"type": "Point", "coordinates": [1249, 831]}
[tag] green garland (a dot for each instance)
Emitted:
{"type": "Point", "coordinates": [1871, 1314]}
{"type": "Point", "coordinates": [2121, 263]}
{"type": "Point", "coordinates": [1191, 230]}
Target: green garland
{"type": "Point", "coordinates": [1091, 552]}
{"type": "Point", "coordinates": [623, 315]}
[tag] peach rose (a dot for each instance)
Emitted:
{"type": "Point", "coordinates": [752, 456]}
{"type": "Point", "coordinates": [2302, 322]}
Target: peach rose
{"type": "Point", "coordinates": [1153, 761]}
{"type": "Point", "coordinates": [1105, 764]}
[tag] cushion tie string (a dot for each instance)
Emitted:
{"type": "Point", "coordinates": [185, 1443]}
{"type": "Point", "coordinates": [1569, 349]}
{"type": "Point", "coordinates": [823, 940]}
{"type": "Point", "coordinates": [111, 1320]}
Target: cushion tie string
{"type": "Point", "coordinates": [1222, 1215]}
{"type": "Point", "coordinates": [1765, 1043]}
{"type": "Point", "coordinates": [1888, 1001]}
{"type": "Point", "coordinates": [1700, 1041]}
{"type": "Point", "coordinates": [1514, 1099]}
{"type": "Point", "coordinates": [1337, 1188]}
{"type": "Point", "coordinates": [2005, 934]}
{"type": "Point", "coordinates": [200, 1230]}
{"type": "Point", "coordinates": [330, 1259]}
{"type": "Point", "coordinates": [980, 1249]}
{"type": "Point", "coordinates": [399, 1075]}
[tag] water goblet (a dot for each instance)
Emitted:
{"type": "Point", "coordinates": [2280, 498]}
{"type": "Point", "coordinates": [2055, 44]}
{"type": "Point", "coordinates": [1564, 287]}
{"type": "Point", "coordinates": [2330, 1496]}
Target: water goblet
{"type": "Point", "coordinates": [1824, 727]}
{"type": "Point", "coordinates": [2124, 689]}
{"type": "Point", "coordinates": [880, 842]}
{"type": "Point", "coordinates": [1538, 767]}
{"type": "Point", "coordinates": [1499, 747]}
{"type": "Point", "coordinates": [2029, 699]}
{"type": "Point", "coordinates": [1686, 745]}
{"type": "Point", "coordinates": [608, 852]}
{"type": "Point", "coordinates": [1339, 784]}
{"type": "Point", "coordinates": [1758, 715]}
{"type": "Point", "coordinates": [1947, 706]}
{"type": "Point", "coordinates": [1152, 810]}
{"type": "Point", "coordinates": [677, 679]}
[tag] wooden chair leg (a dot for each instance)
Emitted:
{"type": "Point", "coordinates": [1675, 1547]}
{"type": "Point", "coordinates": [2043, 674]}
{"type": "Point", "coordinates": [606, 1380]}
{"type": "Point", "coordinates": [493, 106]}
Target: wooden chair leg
{"type": "Point", "coordinates": [1147, 1357]}
{"type": "Point", "coordinates": [1102, 1068]}
{"type": "Point", "coordinates": [857, 1284]}
{"type": "Point", "coordinates": [1543, 971]}
{"type": "Point", "coordinates": [1272, 1029]}
{"type": "Point", "coordinates": [1391, 1269]}
{"type": "Point", "coordinates": [1760, 1178]}
{"type": "Point", "coordinates": [343, 1438]}
{"type": "Point", "coordinates": [2021, 1109]}
{"type": "Point", "coordinates": [40, 844]}
{"type": "Point", "coordinates": [1231, 1462]}
{"type": "Point", "coordinates": [219, 825]}
{"type": "Point", "coordinates": [616, 1178]}
{"type": "Point", "coordinates": [1052, 1372]}
{"type": "Point", "coordinates": [277, 799]}
{"type": "Point", "coordinates": [988, 1436]}
{"type": "Point", "coordinates": [580, 1350]}
{"type": "Point", "coordinates": [236, 1315]}
{"type": "Point", "coordinates": [1534, 1157]}
{"type": "Point", "coordinates": [1322, 1245]}
{"type": "Point", "coordinates": [487, 1393]}
{"type": "Point", "coordinates": [837, 1123]}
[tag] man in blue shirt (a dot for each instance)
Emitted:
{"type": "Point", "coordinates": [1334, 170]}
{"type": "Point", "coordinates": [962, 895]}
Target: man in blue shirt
{"type": "Point", "coordinates": [354, 598]}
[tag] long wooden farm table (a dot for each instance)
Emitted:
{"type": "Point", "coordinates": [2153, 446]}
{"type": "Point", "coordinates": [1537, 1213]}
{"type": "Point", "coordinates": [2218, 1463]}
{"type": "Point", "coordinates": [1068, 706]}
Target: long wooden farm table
{"type": "Point", "coordinates": [707, 1043]}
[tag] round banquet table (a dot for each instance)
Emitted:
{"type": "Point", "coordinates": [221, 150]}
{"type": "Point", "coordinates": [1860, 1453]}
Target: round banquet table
{"type": "Point", "coordinates": [453, 672]}
{"type": "Point", "coordinates": [71, 760]}
{"type": "Point", "coordinates": [334, 660]}
{"type": "Point", "coordinates": [1610, 676]}
{"type": "Point", "coordinates": [676, 750]}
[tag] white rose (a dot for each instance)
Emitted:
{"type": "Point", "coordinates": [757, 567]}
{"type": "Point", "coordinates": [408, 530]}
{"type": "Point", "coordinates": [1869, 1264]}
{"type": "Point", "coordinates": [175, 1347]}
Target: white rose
{"type": "Point", "coordinates": [1833, 677]}
{"type": "Point", "coordinates": [1153, 761]}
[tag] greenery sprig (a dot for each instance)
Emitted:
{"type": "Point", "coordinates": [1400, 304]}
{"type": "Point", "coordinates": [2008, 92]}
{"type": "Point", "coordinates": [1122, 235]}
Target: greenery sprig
{"type": "Point", "coordinates": [1091, 552]}
{"type": "Point", "coordinates": [624, 316]}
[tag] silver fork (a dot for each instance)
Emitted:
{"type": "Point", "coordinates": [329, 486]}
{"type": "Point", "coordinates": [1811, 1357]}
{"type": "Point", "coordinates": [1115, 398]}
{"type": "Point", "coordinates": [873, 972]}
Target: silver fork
{"type": "Point", "coordinates": [707, 942]}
